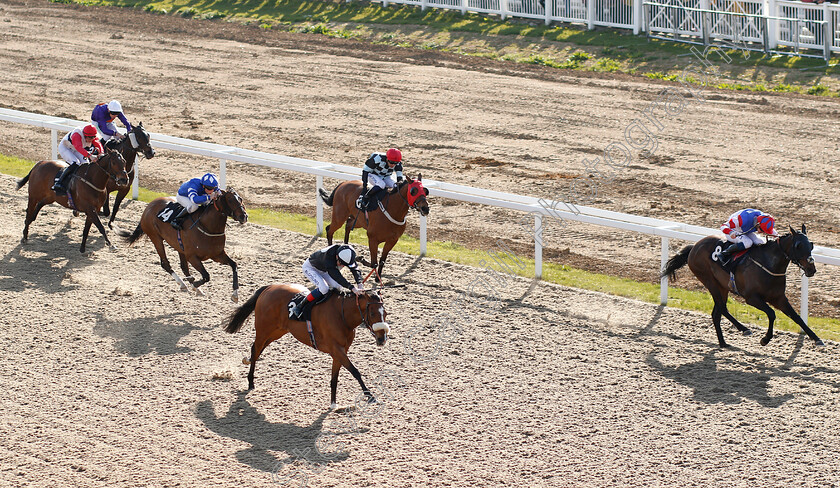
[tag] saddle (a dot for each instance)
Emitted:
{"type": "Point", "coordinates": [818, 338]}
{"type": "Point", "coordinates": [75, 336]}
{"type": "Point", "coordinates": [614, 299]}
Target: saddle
{"type": "Point", "coordinates": [373, 202]}
{"type": "Point", "coordinates": [169, 211]}
{"type": "Point", "coordinates": [307, 311]}
{"type": "Point", "coordinates": [733, 263]}
{"type": "Point", "coordinates": [69, 170]}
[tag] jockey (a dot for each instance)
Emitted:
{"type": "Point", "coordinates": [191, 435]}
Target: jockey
{"type": "Point", "coordinates": [741, 228]}
{"type": "Point", "coordinates": [378, 168]}
{"type": "Point", "coordinates": [103, 116]}
{"type": "Point", "coordinates": [322, 269]}
{"type": "Point", "coordinates": [195, 193]}
{"type": "Point", "coordinates": [77, 147]}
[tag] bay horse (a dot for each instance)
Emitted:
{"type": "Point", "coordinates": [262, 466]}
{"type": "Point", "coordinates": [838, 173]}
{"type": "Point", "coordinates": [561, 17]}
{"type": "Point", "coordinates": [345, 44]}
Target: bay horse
{"type": "Point", "coordinates": [136, 141]}
{"type": "Point", "coordinates": [85, 190]}
{"type": "Point", "coordinates": [201, 237]}
{"type": "Point", "coordinates": [334, 323]}
{"type": "Point", "coordinates": [385, 225]}
{"type": "Point", "coordinates": [760, 279]}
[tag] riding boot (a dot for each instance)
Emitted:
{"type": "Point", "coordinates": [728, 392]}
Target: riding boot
{"type": "Point", "coordinates": [366, 198]}
{"type": "Point", "coordinates": [177, 220]}
{"type": "Point", "coordinates": [60, 187]}
{"type": "Point", "coordinates": [727, 253]}
{"type": "Point", "coordinates": [300, 308]}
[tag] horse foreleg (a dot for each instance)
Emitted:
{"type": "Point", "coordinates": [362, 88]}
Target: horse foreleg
{"type": "Point", "coordinates": [205, 276]}
{"type": "Point", "coordinates": [185, 268]}
{"type": "Point", "coordinates": [385, 250]}
{"type": "Point", "coordinates": [717, 311]}
{"type": "Point", "coordinates": [760, 304]}
{"type": "Point", "coordinates": [85, 232]}
{"type": "Point", "coordinates": [348, 227]}
{"type": "Point", "coordinates": [117, 201]}
{"type": "Point", "coordinates": [107, 211]}
{"type": "Point", "coordinates": [31, 214]}
{"type": "Point", "coordinates": [92, 216]}
{"type": "Point", "coordinates": [341, 356]}
{"type": "Point", "coordinates": [225, 259]}
{"type": "Point", "coordinates": [336, 367]}
{"type": "Point", "coordinates": [784, 305]}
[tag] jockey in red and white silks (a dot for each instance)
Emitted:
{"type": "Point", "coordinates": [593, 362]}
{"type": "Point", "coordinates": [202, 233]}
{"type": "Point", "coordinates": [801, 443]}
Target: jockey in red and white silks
{"type": "Point", "coordinates": [741, 228]}
{"type": "Point", "coordinates": [75, 147]}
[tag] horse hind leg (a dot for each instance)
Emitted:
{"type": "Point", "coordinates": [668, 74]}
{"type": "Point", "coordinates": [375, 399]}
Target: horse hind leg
{"type": "Point", "coordinates": [31, 214]}
{"type": "Point", "coordinates": [164, 261]}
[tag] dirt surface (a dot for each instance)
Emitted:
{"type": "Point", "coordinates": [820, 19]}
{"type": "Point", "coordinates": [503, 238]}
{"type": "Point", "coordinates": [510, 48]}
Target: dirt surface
{"type": "Point", "coordinates": [114, 378]}
{"type": "Point", "coordinates": [519, 128]}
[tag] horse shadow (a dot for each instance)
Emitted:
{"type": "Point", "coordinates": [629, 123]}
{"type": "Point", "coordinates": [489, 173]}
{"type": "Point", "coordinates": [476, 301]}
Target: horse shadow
{"type": "Point", "coordinates": [243, 422]}
{"type": "Point", "coordinates": [49, 272]}
{"type": "Point", "coordinates": [713, 384]}
{"type": "Point", "coordinates": [144, 335]}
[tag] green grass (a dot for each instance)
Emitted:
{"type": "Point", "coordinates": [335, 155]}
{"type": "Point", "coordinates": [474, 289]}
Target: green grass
{"type": "Point", "coordinates": [615, 43]}
{"type": "Point", "coordinates": [826, 328]}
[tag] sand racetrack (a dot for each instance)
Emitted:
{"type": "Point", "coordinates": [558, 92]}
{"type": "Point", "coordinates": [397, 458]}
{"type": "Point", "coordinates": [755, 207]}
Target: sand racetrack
{"type": "Point", "coordinates": [113, 378]}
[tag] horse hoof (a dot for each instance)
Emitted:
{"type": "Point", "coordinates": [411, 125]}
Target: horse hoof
{"type": "Point", "coordinates": [184, 288]}
{"type": "Point", "coordinates": [764, 341]}
{"type": "Point", "coordinates": [112, 247]}
{"type": "Point", "coordinates": [235, 296]}
{"type": "Point", "coordinates": [747, 332]}
{"type": "Point", "coordinates": [246, 361]}
{"type": "Point", "coordinates": [333, 406]}
{"type": "Point", "coordinates": [75, 213]}
{"type": "Point", "coordinates": [199, 292]}
{"type": "Point", "coordinates": [819, 343]}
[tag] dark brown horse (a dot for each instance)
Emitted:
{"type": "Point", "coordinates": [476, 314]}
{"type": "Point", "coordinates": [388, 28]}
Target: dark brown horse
{"type": "Point", "coordinates": [136, 141]}
{"type": "Point", "coordinates": [387, 226]}
{"type": "Point", "coordinates": [202, 237]}
{"type": "Point", "coordinates": [85, 191]}
{"type": "Point", "coordinates": [334, 325]}
{"type": "Point", "coordinates": [760, 278]}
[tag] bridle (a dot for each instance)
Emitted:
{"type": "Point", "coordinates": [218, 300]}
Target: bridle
{"type": "Point", "coordinates": [791, 258]}
{"type": "Point", "coordinates": [107, 172]}
{"type": "Point", "coordinates": [364, 315]}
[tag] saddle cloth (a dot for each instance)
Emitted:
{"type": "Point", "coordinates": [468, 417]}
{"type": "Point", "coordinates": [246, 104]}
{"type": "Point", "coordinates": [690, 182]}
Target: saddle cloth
{"type": "Point", "coordinates": [736, 258]}
{"type": "Point", "coordinates": [307, 313]}
{"type": "Point", "coordinates": [170, 210]}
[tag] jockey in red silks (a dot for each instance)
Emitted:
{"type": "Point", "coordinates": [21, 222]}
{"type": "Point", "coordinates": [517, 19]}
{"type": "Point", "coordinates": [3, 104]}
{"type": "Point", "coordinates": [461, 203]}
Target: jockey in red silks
{"type": "Point", "coordinates": [741, 228]}
{"type": "Point", "coordinates": [378, 169]}
{"type": "Point", "coordinates": [77, 147]}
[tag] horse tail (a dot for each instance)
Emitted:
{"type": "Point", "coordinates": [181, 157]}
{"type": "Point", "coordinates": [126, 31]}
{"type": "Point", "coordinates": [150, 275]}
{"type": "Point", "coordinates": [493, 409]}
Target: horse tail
{"type": "Point", "coordinates": [328, 199]}
{"type": "Point", "coordinates": [675, 263]}
{"type": "Point", "coordinates": [238, 317]}
{"type": "Point", "coordinates": [131, 238]}
{"type": "Point", "coordinates": [23, 180]}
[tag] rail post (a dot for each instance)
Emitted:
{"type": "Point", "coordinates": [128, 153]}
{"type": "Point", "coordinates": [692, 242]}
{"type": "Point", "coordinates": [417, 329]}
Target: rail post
{"type": "Point", "coordinates": [423, 235]}
{"type": "Point", "coordinates": [663, 282]}
{"type": "Point", "coordinates": [319, 206]}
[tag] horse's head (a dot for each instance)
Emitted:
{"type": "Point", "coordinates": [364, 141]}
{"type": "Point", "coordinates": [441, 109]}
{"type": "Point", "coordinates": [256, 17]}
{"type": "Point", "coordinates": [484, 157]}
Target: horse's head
{"type": "Point", "coordinates": [373, 315]}
{"type": "Point", "coordinates": [232, 205]}
{"type": "Point", "coordinates": [141, 140]}
{"type": "Point", "coordinates": [114, 164]}
{"type": "Point", "coordinates": [797, 248]}
{"type": "Point", "coordinates": [415, 194]}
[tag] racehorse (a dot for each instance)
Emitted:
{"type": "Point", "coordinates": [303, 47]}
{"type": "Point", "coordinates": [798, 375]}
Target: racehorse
{"type": "Point", "coordinates": [201, 237]}
{"type": "Point", "coordinates": [759, 280]}
{"type": "Point", "coordinates": [85, 191]}
{"type": "Point", "coordinates": [136, 140]}
{"type": "Point", "coordinates": [333, 326]}
{"type": "Point", "coordinates": [386, 224]}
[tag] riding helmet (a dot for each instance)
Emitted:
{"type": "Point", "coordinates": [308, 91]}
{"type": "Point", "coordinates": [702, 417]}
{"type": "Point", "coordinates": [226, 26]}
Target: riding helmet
{"type": "Point", "coordinates": [767, 223]}
{"type": "Point", "coordinates": [347, 256]}
{"type": "Point", "coordinates": [89, 131]}
{"type": "Point", "coordinates": [114, 106]}
{"type": "Point", "coordinates": [394, 155]}
{"type": "Point", "coordinates": [210, 181]}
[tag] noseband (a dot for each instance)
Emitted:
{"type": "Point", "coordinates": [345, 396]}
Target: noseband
{"type": "Point", "coordinates": [794, 260]}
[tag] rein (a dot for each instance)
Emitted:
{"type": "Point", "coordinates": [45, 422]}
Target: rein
{"type": "Point", "coordinates": [88, 183]}
{"type": "Point", "coordinates": [767, 270]}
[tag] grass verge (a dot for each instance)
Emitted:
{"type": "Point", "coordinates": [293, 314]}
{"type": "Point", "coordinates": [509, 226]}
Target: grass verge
{"type": "Point", "coordinates": [610, 50]}
{"type": "Point", "coordinates": [826, 328]}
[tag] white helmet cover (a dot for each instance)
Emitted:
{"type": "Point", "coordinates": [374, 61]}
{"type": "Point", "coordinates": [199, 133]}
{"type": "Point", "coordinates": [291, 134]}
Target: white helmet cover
{"type": "Point", "coordinates": [114, 106]}
{"type": "Point", "coordinates": [347, 256]}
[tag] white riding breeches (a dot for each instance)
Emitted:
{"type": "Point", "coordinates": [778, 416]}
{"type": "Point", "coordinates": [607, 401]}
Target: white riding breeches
{"type": "Point", "coordinates": [319, 278]}
{"type": "Point", "coordinates": [747, 239]}
{"type": "Point", "coordinates": [70, 155]}
{"type": "Point", "coordinates": [109, 125]}
{"type": "Point", "coordinates": [381, 181]}
{"type": "Point", "coordinates": [187, 203]}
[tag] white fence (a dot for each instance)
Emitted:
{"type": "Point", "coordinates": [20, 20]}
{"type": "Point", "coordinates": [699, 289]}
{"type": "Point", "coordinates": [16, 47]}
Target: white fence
{"type": "Point", "coordinates": [540, 209]}
{"type": "Point", "coordinates": [771, 23]}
